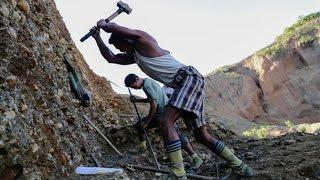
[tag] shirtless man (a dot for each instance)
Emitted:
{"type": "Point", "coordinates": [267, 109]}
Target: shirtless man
{"type": "Point", "coordinates": [187, 99]}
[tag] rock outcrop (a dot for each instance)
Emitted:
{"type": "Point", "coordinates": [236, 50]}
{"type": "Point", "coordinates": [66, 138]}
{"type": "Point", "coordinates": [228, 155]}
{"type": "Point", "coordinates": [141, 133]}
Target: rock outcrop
{"type": "Point", "coordinates": [276, 84]}
{"type": "Point", "coordinates": [43, 134]}
{"type": "Point", "coordinates": [42, 130]}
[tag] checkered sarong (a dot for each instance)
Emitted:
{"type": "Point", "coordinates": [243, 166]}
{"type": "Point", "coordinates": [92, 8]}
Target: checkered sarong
{"type": "Point", "coordinates": [188, 95]}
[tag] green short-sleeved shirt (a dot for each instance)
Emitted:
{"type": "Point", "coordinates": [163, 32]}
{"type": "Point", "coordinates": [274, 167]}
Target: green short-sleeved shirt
{"type": "Point", "coordinates": [154, 92]}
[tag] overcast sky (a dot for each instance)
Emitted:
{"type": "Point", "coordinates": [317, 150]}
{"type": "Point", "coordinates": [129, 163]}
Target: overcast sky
{"type": "Point", "coordinates": [206, 34]}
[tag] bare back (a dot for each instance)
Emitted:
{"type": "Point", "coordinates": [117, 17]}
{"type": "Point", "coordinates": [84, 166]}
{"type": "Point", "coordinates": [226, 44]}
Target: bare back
{"type": "Point", "coordinates": [147, 46]}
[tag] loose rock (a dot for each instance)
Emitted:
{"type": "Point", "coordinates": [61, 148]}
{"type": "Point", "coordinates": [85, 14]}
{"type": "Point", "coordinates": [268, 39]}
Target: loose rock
{"type": "Point", "coordinates": [24, 107]}
{"type": "Point", "coordinates": [34, 147]}
{"type": "Point", "coordinates": [58, 125]}
{"type": "Point", "coordinates": [1, 144]}
{"type": "Point", "coordinates": [249, 155]}
{"type": "Point", "coordinates": [13, 3]}
{"type": "Point", "coordinates": [9, 115]}
{"type": "Point", "coordinates": [4, 11]}
{"type": "Point", "coordinates": [289, 141]}
{"type": "Point", "coordinates": [2, 129]}
{"type": "Point", "coordinates": [23, 5]}
{"type": "Point", "coordinates": [12, 80]}
{"type": "Point", "coordinates": [16, 16]}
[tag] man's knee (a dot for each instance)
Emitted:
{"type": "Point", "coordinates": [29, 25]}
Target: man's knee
{"type": "Point", "coordinates": [201, 135]}
{"type": "Point", "coordinates": [168, 117]}
{"type": "Point", "coordinates": [163, 124]}
{"type": "Point", "coordinates": [197, 136]}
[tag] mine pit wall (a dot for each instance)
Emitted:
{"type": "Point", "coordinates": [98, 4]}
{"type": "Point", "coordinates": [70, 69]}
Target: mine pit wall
{"type": "Point", "coordinates": [42, 128]}
{"type": "Point", "coordinates": [271, 90]}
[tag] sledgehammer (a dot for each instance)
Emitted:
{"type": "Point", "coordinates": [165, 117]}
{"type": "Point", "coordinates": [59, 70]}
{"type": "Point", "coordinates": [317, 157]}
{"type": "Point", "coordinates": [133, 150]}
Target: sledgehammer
{"type": "Point", "coordinates": [123, 7]}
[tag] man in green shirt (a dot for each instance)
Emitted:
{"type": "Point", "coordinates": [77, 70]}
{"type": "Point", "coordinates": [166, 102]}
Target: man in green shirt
{"type": "Point", "coordinates": [157, 99]}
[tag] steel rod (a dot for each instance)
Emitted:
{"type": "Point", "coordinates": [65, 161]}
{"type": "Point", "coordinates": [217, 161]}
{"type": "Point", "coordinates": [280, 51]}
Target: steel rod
{"type": "Point", "coordinates": [103, 136]}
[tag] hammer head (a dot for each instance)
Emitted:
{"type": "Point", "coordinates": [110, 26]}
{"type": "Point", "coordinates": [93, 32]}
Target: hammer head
{"type": "Point", "coordinates": [124, 7]}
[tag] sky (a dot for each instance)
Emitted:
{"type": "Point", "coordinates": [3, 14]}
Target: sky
{"type": "Point", "coordinates": [206, 34]}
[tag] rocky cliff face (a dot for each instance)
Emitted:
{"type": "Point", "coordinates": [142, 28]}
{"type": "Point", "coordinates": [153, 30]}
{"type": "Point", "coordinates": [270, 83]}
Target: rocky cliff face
{"type": "Point", "coordinates": [42, 130]}
{"type": "Point", "coordinates": [278, 83]}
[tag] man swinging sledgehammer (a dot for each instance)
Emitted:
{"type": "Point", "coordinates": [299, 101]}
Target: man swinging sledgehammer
{"type": "Point", "coordinates": [187, 99]}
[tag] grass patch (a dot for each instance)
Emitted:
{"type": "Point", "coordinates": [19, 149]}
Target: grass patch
{"type": "Point", "coordinates": [303, 32]}
{"type": "Point", "coordinates": [296, 28]}
{"type": "Point", "coordinates": [302, 129]}
{"type": "Point", "coordinates": [234, 75]}
{"type": "Point", "coordinates": [288, 123]}
{"type": "Point", "coordinates": [260, 132]}
{"type": "Point", "coordinates": [221, 69]}
{"type": "Point", "coordinates": [271, 50]}
{"type": "Point", "coordinates": [227, 69]}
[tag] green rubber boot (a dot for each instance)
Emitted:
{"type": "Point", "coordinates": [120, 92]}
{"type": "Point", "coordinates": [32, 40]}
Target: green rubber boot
{"type": "Point", "coordinates": [196, 161]}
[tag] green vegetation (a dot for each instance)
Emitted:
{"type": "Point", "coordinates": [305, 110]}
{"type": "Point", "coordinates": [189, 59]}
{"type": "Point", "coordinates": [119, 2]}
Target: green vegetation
{"type": "Point", "coordinates": [300, 28]}
{"type": "Point", "coordinates": [221, 69]}
{"type": "Point", "coordinates": [302, 129]}
{"type": "Point", "coordinates": [271, 50]}
{"type": "Point", "coordinates": [234, 75]}
{"type": "Point", "coordinates": [289, 124]}
{"type": "Point", "coordinates": [226, 69]}
{"type": "Point", "coordinates": [303, 32]}
{"type": "Point", "coordinates": [260, 133]}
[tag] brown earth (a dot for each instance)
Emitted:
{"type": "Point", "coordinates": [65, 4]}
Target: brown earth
{"type": "Point", "coordinates": [292, 156]}
{"type": "Point", "coordinates": [43, 134]}
{"type": "Point", "coordinates": [42, 128]}
{"type": "Point", "coordinates": [271, 89]}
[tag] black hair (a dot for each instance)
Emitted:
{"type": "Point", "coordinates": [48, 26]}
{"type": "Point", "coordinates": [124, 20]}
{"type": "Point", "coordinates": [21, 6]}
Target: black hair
{"type": "Point", "coordinates": [130, 79]}
{"type": "Point", "coordinates": [114, 38]}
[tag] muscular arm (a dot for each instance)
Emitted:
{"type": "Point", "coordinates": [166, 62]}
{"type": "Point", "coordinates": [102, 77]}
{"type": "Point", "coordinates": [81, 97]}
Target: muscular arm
{"type": "Point", "coordinates": [153, 107]}
{"type": "Point", "coordinates": [152, 110]}
{"type": "Point", "coordinates": [144, 43]}
{"type": "Point", "coordinates": [133, 34]}
{"type": "Point", "coordinates": [122, 59]}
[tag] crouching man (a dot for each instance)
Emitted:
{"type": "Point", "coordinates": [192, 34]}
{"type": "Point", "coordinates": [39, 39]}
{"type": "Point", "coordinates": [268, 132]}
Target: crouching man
{"type": "Point", "coordinates": [157, 99]}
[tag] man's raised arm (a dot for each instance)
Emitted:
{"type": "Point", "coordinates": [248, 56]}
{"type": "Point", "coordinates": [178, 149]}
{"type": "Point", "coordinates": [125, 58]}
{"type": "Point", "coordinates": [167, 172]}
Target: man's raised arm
{"type": "Point", "coordinates": [122, 59]}
{"type": "Point", "coordinates": [120, 30]}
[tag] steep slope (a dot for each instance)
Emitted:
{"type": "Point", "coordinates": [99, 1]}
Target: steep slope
{"type": "Point", "coordinates": [276, 84]}
{"type": "Point", "coordinates": [42, 129]}
{"type": "Point", "coordinates": [43, 134]}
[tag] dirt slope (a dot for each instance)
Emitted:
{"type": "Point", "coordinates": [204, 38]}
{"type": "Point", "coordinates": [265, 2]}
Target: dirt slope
{"type": "Point", "coordinates": [42, 129]}
{"type": "Point", "coordinates": [278, 83]}
{"type": "Point", "coordinates": [43, 134]}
